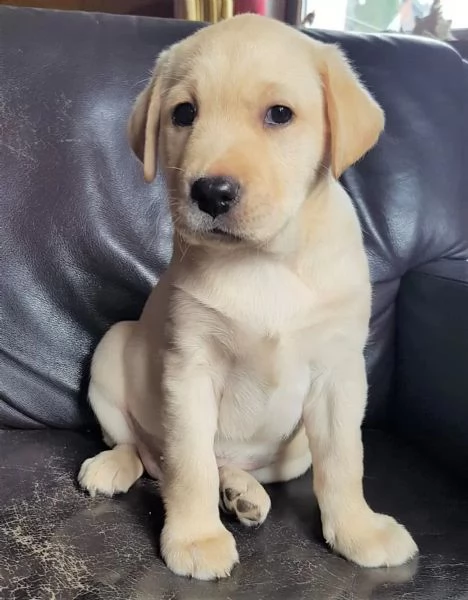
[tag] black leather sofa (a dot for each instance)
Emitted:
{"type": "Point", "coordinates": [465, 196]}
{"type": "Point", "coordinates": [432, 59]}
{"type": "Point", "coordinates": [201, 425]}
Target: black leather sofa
{"type": "Point", "coordinates": [83, 239]}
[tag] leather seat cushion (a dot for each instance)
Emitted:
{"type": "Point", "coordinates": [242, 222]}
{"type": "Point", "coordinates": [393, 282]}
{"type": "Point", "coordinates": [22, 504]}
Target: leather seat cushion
{"type": "Point", "coordinates": [57, 542]}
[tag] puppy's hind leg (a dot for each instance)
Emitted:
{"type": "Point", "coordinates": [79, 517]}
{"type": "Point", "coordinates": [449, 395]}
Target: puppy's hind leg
{"type": "Point", "coordinates": [292, 462]}
{"type": "Point", "coordinates": [116, 470]}
{"type": "Point", "coordinates": [112, 471]}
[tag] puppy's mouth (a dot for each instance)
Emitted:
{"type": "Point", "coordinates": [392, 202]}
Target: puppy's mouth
{"type": "Point", "coordinates": [207, 234]}
{"type": "Point", "coordinates": [198, 226]}
{"type": "Point", "coordinates": [220, 233]}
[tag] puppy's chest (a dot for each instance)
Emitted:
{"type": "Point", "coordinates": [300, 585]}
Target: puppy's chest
{"type": "Point", "coordinates": [264, 297]}
{"type": "Point", "coordinates": [263, 393]}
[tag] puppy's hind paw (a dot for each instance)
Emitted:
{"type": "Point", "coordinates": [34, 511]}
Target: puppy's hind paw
{"type": "Point", "coordinates": [243, 496]}
{"type": "Point", "coordinates": [111, 472]}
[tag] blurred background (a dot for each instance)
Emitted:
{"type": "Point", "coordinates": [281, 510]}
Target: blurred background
{"type": "Point", "coordinates": [382, 15]}
{"type": "Point", "coordinates": [444, 19]}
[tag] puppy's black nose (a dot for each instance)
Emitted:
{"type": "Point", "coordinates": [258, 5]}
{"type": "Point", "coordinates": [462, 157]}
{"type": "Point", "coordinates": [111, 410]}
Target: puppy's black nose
{"type": "Point", "coordinates": [215, 195]}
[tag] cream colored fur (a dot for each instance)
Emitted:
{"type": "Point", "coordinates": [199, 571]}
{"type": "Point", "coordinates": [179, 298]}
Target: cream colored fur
{"type": "Point", "coordinates": [248, 356]}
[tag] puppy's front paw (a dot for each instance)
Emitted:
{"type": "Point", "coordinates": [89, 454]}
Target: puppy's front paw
{"type": "Point", "coordinates": [204, 557]}
{"type": "Point", "coordinates": [372, 540]}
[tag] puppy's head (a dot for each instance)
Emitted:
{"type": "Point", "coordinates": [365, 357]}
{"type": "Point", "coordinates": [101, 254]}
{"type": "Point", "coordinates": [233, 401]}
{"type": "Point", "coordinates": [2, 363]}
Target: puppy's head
{"type": "Point", "coordinates": [245, 115]}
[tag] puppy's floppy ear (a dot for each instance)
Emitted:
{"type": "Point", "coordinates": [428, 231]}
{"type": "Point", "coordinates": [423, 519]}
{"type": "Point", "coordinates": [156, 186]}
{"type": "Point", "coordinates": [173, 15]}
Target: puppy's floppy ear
{"type": "Point", "coordinates": [355, 119]}
{"type": "Point", "coordinates": [143, 125]}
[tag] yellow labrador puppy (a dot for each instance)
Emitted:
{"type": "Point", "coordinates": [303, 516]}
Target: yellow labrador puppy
{"type": "Point", "coordinates": [248, 357]}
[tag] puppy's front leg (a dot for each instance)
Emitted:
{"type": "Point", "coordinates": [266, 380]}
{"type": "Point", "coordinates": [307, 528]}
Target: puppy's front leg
{"type": "Point", "coordinates": [194, 542]}
{"type": "Point", "coordinates": [332, 416]}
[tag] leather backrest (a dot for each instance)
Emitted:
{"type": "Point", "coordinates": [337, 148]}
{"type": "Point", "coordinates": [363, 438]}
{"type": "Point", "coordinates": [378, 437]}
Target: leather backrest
{"type": "Point", "coordinates": [83, 239]}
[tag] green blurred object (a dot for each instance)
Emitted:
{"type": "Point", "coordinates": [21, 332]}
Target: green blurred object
{"type": "Point", "coordinates": [371, 15]}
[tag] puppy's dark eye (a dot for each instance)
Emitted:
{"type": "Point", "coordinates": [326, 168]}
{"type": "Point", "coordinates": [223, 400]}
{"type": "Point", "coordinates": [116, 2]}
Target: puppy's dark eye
{"type": "Point", "coordinates": [278, 115]}
{"type": "Point", "coordinates": [184, 114]}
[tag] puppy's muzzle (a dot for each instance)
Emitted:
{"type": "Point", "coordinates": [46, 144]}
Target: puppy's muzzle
{"type": "Point", "coordinates": [215, 195]}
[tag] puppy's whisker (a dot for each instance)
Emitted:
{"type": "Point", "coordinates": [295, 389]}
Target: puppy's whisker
{"type": "Point", "coordinates": [142, 81]}
{"type": "Point", "coordinates": [174, 78]}
{"type": "Point", "coordinates": [323, 169]}
{"type": "Point", "coordinates": [184, 248]}
{"type": "Point", "coordinates": [177, 169]}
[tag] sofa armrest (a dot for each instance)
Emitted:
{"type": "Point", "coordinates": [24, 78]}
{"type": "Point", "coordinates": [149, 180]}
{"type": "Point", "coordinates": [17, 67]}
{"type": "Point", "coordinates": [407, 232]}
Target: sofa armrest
{"type": "Point", "coordinates": [431, 400]}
